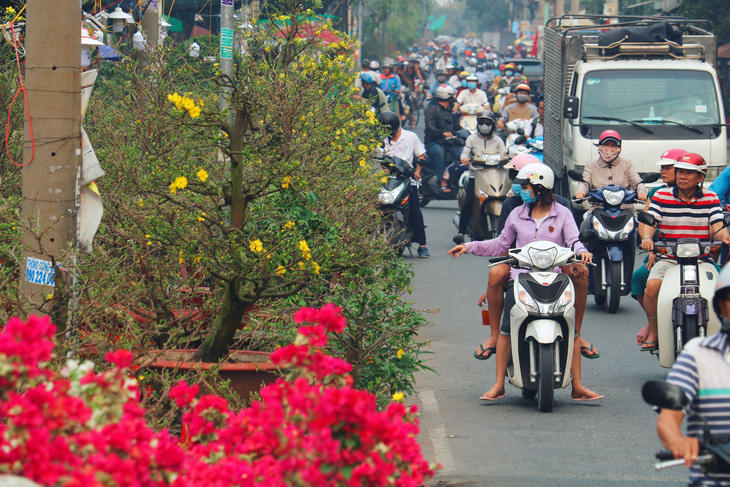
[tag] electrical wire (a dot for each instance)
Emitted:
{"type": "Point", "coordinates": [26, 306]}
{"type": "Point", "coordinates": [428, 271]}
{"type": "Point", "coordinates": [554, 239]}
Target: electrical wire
{"type": "Point", "coordinates": [27, 111]}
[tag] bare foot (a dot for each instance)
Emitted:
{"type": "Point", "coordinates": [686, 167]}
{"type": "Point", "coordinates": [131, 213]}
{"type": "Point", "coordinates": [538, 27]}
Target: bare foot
{"type": "Point", "coordinates": [496, 392]}
{"type": "Point", "coordinates": [641, 336]}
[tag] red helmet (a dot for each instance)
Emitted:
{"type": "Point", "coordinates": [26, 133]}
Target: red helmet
{"type": "Point", "coordinates": [608, 135]}
{"type": "Point", "coordinates": [670, 157]}
{"type": "Point", "coordinates": [692, 162]}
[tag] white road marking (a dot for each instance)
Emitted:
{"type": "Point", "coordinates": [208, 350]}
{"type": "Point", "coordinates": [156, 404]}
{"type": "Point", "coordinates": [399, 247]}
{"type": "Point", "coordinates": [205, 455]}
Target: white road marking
{"type": "Point", "coordinates": [438, 437]}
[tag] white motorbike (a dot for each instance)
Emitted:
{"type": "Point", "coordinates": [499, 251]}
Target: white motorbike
{"type": "Point", "coordinates": [469, 117]}
{"type": "Point", "coordinates": [683, 310]}
{"type": "Point", "coordinates": [542, 322]}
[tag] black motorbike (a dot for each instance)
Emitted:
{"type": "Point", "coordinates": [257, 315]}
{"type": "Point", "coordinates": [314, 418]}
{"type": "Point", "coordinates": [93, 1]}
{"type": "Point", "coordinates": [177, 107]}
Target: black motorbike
{"type": "Point", "coordinates": [395, 226]}
{"type": "Point", "coordinates": [714, 457]}
{"type": "Point", "coordinates": [430, 188]}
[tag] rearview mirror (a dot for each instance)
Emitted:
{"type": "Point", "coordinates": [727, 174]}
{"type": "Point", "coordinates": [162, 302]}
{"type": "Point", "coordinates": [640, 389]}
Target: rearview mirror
{"type": "Point", "coordinates": [570, 107]}
{"type": "Point", "coordinates": [586, 235]}
{"type": "Point", "coordinates": [520, 139]}
{"type": "Point", "coordinates": [651, 177]}
{"type": "Point", "coordinates": [664, 395]}
{"type": "Point", "coordinates": [647, 218]}
{"type": "Point", "coordinates": [575, 175]}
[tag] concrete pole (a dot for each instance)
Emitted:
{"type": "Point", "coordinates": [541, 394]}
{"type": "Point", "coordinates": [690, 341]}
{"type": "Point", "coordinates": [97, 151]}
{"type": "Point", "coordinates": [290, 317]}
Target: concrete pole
{"type": "Point", "coordinates": [226, 53]}
{"type": "Point", "coordinates": [150, 24]}
{"type": "Point", "coordinates": [50, 180]}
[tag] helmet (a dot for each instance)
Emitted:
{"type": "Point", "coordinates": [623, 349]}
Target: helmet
{"type": "Point", "coordinates": [387, 63]}
{"type": "Point", "coordinates": [472, 77]}
{"type": "Point", "coordinates": [723, 284]}
{"type": "Point", "coordinates": [472, 61]}
{"type": "Point", "coordinates": [464, 74]}
{"type": "Point", "coordinates": [692, 162]}
{"type": "Point", "coordinates": [401, 58]}
{"type": "Point", "coordinates": [670, 157]}
{"type": "Point", "coordinates": [452, 65]}
{"type": "Point", "coordinates": [501, 67]}
{"type": "Point", "coordinates": [509, 66]}
{"type": "Point", "coordinates": [374, 65]}
{"type": "Point", "coordinates": [444, 92]}
{"type": "Point", "coordinates": [521, 160]}
{"type": "Point", "coordinates": [487, 115]}
{"type": "Point", "coordinates": [522, 87]}
{"type": "Point", "coordinates": [366, 78]}
{"type": "Point", "coordinates": [413, 59]}
{"type": "Point", "coordinates": [390, 120]}
{"type": "Point", "coordinates": [608, 135]}
{"type": "Point", "coordinates": [538, 174]}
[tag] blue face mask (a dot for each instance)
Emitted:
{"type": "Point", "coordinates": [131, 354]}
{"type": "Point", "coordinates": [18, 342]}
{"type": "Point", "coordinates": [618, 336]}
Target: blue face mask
{"type": "Point", "coordinates": [516, 189]}
{"type": "Point", "coordinates": [463, 83]}
{"type": "Point", "coordinates": [508, 72]}
{"type": "Point", "coordinates": [526, 196]}
{"type": "Point", "coordinates": [471, 85]}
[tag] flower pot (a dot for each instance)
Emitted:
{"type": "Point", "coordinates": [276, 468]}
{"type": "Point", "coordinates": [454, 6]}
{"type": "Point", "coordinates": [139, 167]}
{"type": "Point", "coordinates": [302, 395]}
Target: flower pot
{"type": "Point", "coordinates": [247, 371]}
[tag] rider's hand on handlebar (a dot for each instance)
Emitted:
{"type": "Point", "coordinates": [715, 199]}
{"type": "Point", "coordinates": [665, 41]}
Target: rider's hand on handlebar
{"type": "Point", "coordinates": [457, 251]}
{"type": "Point", "coordinates": [580, 195]}
{"type": "Point", "coordinates": [464, 161]}
{"type": "Point", "coordinates": [641, 196]}
{"type": "Point", "coordinates": [687, 447]}
{"type": "Point", "coordinates": [647, 244]}
{"type": "Point", "coordinates": [586, 257]}
{"type": "Point", "coordinates": [448, 135]}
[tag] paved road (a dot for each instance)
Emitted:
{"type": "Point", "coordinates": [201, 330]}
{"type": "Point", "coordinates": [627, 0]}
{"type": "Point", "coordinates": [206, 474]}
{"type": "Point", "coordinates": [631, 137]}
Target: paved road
{"type": "Point", "coordinates": [510, 443]}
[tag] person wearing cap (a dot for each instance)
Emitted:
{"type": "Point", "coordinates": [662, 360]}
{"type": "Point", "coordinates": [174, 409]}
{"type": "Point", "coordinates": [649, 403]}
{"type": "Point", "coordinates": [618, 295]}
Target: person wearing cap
{"type": "Point", "coordinates": [538, 218]}
{"type": "Point", "coordinates": [471, 95]}
{"type": "Point", "coordinates": [375, 70]}
{"type": "Point", "coordinates": [452, 71]}
{"type": "Point", "coordinates": [702, 371]}
{"type": "Point", "coordinates": [440, 130]}
{"type": "Point", "coordinates": [640, 276]}
{"type": "Point", "coordinates": [371, 93]}
{"type": "Point", "coordinates": [683, 211]}
{"type": "Point", "coordinates": [443, 61]}
{"type": "Point", "coordinates": [522, 100]}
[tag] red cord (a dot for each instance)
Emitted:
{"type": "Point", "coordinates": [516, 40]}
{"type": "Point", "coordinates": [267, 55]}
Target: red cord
{"type": "Point", "coordinates": [10, 109]}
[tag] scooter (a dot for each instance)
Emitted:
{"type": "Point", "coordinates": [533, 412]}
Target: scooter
{"type": "Point", "coordinates": [469, 117]}
{"type": "Point", "coordinates": [491, 187]}
{"type": "Point", "coordinates": [395, 227]}
{"type": "Point", "coordinates": [687, 289]}
{"type": "Point", "coordinates": [536, 147]}
{"type": "Point", "coordinates": [611, 239]}
{"type": "Point", "coordinates": [542, 322]}
{"type": "Point", "coordinates": [714, 454]}
{"type": "Point", "coordinates": [430, 188]}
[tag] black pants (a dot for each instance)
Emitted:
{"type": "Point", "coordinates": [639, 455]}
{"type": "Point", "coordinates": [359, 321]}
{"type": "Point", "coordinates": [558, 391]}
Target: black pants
{"type": "Point", "coordinates": [416, 218]}
{"type": "Point", "coordinates": [468, 208]}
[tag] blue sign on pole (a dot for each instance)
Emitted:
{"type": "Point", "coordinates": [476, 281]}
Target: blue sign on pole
{"type": "Point", "coordinates": [226, 43]}
{"type": "Point", "coordinates": [39, 271]}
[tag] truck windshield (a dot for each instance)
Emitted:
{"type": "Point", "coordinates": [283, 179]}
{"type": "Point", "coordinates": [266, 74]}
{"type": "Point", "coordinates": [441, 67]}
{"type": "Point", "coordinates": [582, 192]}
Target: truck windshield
{"type": "Point", "coordinates": [650, 97]}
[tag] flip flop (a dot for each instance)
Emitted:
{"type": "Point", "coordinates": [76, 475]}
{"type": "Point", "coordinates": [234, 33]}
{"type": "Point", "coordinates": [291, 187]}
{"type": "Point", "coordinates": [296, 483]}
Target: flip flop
{"type": "Point", "coordinates": [594, 396]}
{"type": "Point", "coordinates": [495, 398]}
{"type": "Point", "coordinates": [480, 355]}
{"type": "Point", "coordinates": [649, 347]}
{"type": "Point", "coordinates": [642, 335]}
{"type": "Point", "coordinates": [593, 355]}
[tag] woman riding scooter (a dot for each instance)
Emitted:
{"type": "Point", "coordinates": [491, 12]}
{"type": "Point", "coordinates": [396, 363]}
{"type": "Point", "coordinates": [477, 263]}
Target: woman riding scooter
{"type": "Point", "coordinates": [539, 218]}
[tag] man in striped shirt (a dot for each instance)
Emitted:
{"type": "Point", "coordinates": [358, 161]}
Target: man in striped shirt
{"type": "Point", "coordinates": [684, 211]}
{"type": "Point", "coordinates": [703, 372]}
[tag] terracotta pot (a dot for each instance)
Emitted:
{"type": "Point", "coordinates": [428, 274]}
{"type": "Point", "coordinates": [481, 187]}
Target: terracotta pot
{"type": "Point", "coordinates": [247, 371]}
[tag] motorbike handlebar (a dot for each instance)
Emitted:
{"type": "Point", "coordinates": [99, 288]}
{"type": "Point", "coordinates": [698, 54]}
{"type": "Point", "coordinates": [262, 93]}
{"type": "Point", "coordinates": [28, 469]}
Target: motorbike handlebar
{"type": "Point", "coordinates": [679, 462]}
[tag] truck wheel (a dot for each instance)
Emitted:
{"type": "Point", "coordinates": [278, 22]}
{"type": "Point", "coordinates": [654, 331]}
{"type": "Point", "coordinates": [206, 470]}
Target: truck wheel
{"type": "Point", "coordinates": [546, 377]}
{"type": "Point", "coordinates": [613, 292]}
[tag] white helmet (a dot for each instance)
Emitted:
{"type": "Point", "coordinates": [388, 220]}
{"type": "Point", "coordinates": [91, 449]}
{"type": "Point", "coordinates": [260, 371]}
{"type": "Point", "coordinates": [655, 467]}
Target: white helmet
{"type": "Point", "coordinates": [536, 174]}
{"type": "Point", "coordinates": [723, 283]}
{"type": "Point", "coordinates": [444, 92]}
{"type": "Point", "coordinates": [374, 65]}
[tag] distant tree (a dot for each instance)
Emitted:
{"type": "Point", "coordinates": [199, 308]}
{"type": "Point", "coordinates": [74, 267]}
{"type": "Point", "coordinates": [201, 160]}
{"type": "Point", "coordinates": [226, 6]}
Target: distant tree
{"type": "Point", "coordinates": [718, 11]}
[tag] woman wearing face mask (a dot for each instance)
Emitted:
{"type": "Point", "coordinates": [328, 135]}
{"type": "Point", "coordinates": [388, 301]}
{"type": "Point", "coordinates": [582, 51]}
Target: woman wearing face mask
{"type": "Point", "coordinates": [539, 218]}
{"type": "Point", "coordinates": [483, 141]}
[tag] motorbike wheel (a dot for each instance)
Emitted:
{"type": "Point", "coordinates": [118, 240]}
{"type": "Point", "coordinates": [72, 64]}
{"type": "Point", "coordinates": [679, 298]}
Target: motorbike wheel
{"type": "Point", "coordinates": [423, 202]}
{"type": "Point", "coordinates": [600, 300]}
{"type": "Point", "coordinates": [529, 393]}
{"type": "Point", "coordinates": [546, 378]}
{"type": "Point", "coordinates": [613, 292]}
{"type": "Point", "coordinates": [690, 330]}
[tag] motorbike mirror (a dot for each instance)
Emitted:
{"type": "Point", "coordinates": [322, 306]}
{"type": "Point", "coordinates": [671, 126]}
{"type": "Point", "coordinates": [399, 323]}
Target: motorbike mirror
{"type": "Point", "coordinates": [664, 395]}
{"type": "Point", "coordinates": [497, 115]}
{"type": "Point", "coordinates": [521, 131]}
{"type": "Point", "coordinates": [586, 235]}
{"type": "Point", "coordinates": [651, 177]}
{"type": "Point", "coordinates": [521, 139]}
{"type": "Point", "coordinates": [575, 175]}
{"type": "Point", "coordinates": [647, 218]}
{"type": "Point", "coordinates": [570, 107]}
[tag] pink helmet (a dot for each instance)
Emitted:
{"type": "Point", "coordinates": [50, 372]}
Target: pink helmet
{"type": "Point", "coordinates": [521, 160]}
{"type": "Point", "coordinates": [607, 135]}
{"type": "Point", "coordinates": [670, 157]}
{"type": "Point", "coordinates": [692, 162]}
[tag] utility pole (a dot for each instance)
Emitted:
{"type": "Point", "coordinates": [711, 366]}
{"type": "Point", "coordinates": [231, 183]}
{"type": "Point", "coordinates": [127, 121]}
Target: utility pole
{"type": "Point", "coordinates": [50, 180]}
{"type": "Point", "coordinates": [150, 23]}
{"type": "Point", "coordinates": [226, 52]}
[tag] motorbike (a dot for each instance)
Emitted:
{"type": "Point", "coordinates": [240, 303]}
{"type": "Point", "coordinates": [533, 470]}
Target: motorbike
{"type": "Point", "coordinates": [542, 322]}
{"type": "Point", "coordinates": [393, 200]}
{"type": "Point", "coordinates": [714, 454]}
{"type": "Point", "coordinates": [683, 310]}
{"type": "Point", "coordinates": [469, 117]}
{"type": "Point", "coordinates": [491, 187]}
{"type": "Point", "coordinates": [611, 240]}
{"type": "Point", "coordinates": [430, 187]}
{"type": "Point", "coordinates": [536, 145]}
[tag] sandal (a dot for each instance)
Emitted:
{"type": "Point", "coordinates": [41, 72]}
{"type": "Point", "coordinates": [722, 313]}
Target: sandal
{"type": "Point", "coordinates": [649, 346]}
{"type": "Point", "coordinates": [480, 354]}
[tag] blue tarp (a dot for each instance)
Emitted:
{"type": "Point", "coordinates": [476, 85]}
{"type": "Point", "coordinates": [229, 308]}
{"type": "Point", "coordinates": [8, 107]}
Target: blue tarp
{"type": "Point", "coordinates": [106, 52]}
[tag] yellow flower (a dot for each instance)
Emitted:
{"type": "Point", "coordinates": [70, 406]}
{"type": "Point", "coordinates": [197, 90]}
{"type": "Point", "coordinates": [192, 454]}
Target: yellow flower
{"type": "Point", "coordinates": [301, 265]}
{"type": "Point", "coordinates": [180, 258]}
{"type": "Point", "coordinates": [256, 246]}
{"type": "Point", "coordinates": [281, 270]}
{"type": "Point", "coordinates": [306, 251]}
{"type": "Point", "coordinates": [179, 183]}
{"type": "Point", "coordinates": [400, 353]}
{"type": "Point", "coordinates": [398, 396]}
{"type": "Point", "coordinates": [289, 225]}
{"type": "Point", "coordinates": [202, 175]}
{"type": "Point", "coordinates": [198, 258]}
{"type": "Point", "coordinates": [201, 218]}
{"type": "Point", "coordinates": [316, 267]}
{"type": "Point", "coordinates": [287, 181]}
{"type": "Point", "coordinates": [141, 202]}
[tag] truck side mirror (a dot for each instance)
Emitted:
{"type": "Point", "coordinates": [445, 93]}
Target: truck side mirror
{"type": "Point", "coordinates": [575, 175]}
{"type": "Point", "coordinates": [647, 218]}
{"type": "Point", "coordinates": [570, 107]}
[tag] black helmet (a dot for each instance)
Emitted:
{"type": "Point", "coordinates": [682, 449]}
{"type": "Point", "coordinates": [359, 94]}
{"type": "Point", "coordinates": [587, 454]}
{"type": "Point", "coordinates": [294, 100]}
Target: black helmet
{"type": "Point", "coordinates": [390, 120]}
{"type": "Point", "coordinates": [487, 115]}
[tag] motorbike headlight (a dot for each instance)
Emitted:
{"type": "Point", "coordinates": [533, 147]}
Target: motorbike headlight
{"type": "Point", "coordinates": [600, 229]}
{"type": "Point", "coordinates": [626, 230]}
{"type": "Point", "coordinates": [688, 250]}
{"type": "Point", "coordinates": [386, 197]}
{"type": "Point", "coordinates": [614, 198]}
{"type": "Point", "coordinates": [543, 259]}
{"type": "Point", "coordinates": [492, 159]}
{"type": "Point", "coordinates": [564, 301]}
{"type": "Point", "coordinates": [527, 300]}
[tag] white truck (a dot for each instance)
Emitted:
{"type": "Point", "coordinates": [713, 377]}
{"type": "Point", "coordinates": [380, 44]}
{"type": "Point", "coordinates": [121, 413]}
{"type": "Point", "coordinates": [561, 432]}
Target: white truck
{"type": "Point", "coordinates": [659, 92]}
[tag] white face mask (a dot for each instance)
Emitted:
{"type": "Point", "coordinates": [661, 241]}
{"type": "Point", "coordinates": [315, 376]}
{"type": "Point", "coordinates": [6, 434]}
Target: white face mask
{"type": "Point", "coordinates": [522, 98]}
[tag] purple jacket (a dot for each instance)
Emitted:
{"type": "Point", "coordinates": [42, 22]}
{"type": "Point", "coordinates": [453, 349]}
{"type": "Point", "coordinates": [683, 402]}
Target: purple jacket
{"type": "Point", "coordinates": [559, 227]}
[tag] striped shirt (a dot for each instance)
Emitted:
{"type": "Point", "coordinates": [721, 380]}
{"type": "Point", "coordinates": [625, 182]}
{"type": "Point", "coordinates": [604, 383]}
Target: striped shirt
{"type": "Point", "coordinates": [686, 219]}
{"type": "Point", "coordinates": [703, 372]}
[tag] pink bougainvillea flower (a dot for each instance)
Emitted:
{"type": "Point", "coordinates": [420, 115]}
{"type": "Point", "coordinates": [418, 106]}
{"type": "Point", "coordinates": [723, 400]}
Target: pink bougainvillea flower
{"type": "Point", "coordinates": [183, 394]}
{"type": "Point", "coordinates": [120, 358]}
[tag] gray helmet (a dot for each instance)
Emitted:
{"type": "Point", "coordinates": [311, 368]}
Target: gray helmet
{"type": "Point", "coordinates": [445, 92]}
{"type": "Point", "coordinates": [487, 115]}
